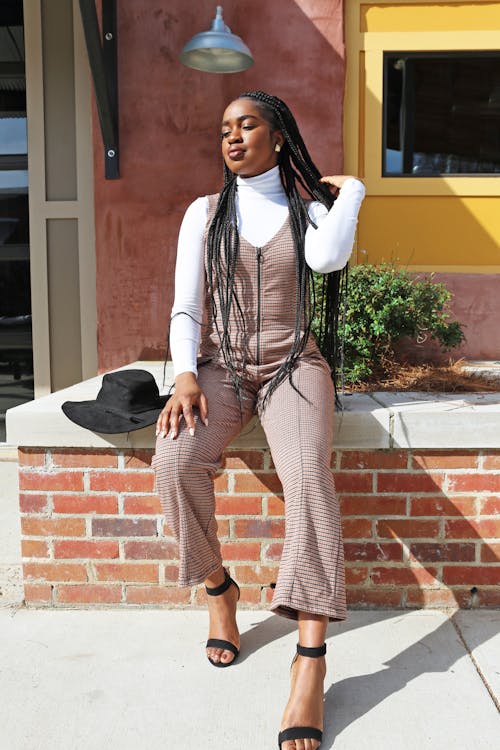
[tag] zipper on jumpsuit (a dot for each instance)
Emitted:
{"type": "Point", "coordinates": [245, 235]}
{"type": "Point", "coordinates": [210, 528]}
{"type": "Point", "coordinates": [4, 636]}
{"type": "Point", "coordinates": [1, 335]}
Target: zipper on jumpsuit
{"type": "Point", "coordinates": [258, 253]}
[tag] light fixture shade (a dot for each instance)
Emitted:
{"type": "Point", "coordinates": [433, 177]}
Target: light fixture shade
{"type": "Point", "coordinates": [217, 50]}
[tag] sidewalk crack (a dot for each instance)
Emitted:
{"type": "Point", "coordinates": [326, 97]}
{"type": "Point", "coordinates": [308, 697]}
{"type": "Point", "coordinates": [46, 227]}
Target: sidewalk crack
{"type": "Point", "coordinates": [478, 668]}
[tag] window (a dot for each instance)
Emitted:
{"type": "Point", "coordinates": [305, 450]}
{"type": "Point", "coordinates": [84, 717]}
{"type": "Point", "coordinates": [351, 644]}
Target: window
{"type": "Point", "coordinates": [441, 113]}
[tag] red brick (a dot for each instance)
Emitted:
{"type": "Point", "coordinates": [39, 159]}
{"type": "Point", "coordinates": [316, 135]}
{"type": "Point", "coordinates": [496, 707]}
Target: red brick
{"type": "Point", "coordinates": [417, 597]}
{"type": "Point", "coordinates": [153, 550]}
{"type": "Point", "coordinates": [64, 481]}
{"type": "Point", "coordinates": [491, 461]}
{"type": "Point", "coordinates": [263, 482]}
{"type": "Point", "coordinates": [408, 529]}
{"type": "Point", "coordinates": [473, 575]}
{"type": "Point", "coordinates": [356, 528]}
{"type": "Point", "coordinates": [126, 572]}
{"type": "Point", "coordinates": [31, 457]}
{"type": "Point", "coordinates": [252, 459]}
{"type": "Point", "coordinates": [34, 548]}
{"type": "Point", "coordinates": [38, 593]}
{"type": "Point", "coordinates": [222, 527]}
{"type": "Point", "coordinates": [122, 481]}
{"type": "Point", "coordinates": [274, 551]}
{"type": "Point", "coordinates": [490, 552]}
{"type": "Point", "coordinates": [482, 597]}
{"type": "Point", "coordinates": [80, 549]}
{"type": "Point", "coordinates": [41, 526]}
{"type": "Point", "coordinates": [275, 506]}
{"type": "Point", "coordinates": [171, 573]}
{"type": "Point", "coordinates": [220, 482]}
{"type": "Point", "coordinates": [440, 552]}
{"type": "Point", "coordinates": [250, 528]}
{"type": "Point", "coordinates": [372, 505]}
{"type": "Point", "coordinates": [474, 482]}
{"type": "Point", "coordinates": [167, 531]}
{"type": "Point", "coordinates": [442, 506]}
{"type": "Point", "coordinates": [353, 481]}
{"type": "Point", "coordinates": [144, 505]}
{"type": "Point", "coordinates": [268, 594]}
{"type": "Point", "coordinates": [250, 595]}
{"type": "Point", "coordinates": [33, 503]}
{"type": "Point", "coordinates": [85, 503]}
{"type": "Point", "coordinates": [409, 482]}
{"type": "Point", "coordinates": [157, 595]}
{"type": "Point", "coordinates": [263, 575]}
{"type": "Point", "coordinates": [123, 527]}
{"type": "Point", "coordinates": [139, 458]}
{"type": "Point", "coordinates": [486, 528]}
{"type": "Point", "coordinates": [371, 551]}
{"type": "Point", "coordinates": [392, 576]}
{"type": "Point", "coordinates": [54, 571]}
{"type": "Point", "coordinates": [256, 574]}
{"type": "Point", "coordinates": [335, 459]}
{"type": "Point", "coordinates": [445, 460]}
{"type": "Point", "coordinates": [84, 458]}
{"type": "Point", "coordinates": [355, 575]}
{"type": "Point", "coordinates": [89, 593]}
{"type": "Point", "coordinates": [359, 597]}
{"type": "Point", "coordinates": [490, 506]}
{"type": "Point", "coordinates": [240, 550]}
{"type": "Point", "coordinates": [374, 459]}
{"type": "Point", "coordinates": [234, 505]}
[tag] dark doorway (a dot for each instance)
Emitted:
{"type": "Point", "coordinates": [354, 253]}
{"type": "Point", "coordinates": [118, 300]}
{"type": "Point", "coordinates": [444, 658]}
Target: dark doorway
{"type": "Point", "coordinates": [16, 351]}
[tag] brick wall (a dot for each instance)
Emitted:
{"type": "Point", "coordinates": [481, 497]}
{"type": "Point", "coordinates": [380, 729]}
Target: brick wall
{"type": "Point", "coordinates": [421, 528]}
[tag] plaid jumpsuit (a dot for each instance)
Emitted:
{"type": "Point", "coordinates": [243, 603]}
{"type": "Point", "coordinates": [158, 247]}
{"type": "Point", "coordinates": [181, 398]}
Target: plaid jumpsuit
{"type": "Point", "coordinates": [299, 431]}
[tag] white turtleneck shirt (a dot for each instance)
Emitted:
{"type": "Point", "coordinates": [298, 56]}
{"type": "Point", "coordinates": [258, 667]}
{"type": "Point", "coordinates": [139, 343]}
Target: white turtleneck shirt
{"type": "Point", "coordinates": [261, 208]}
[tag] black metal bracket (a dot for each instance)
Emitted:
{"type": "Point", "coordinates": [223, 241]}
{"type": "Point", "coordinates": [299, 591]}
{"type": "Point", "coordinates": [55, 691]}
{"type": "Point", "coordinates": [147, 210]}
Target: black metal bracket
{"type": "Point", "coordinates": [103, 61]}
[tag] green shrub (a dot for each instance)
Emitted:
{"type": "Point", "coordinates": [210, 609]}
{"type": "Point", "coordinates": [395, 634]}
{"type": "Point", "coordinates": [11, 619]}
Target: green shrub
{"type": "Point", "coordinates": [384, 304]}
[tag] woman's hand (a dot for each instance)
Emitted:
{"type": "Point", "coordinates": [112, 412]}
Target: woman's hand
{"type": "Point", "coordinates": [337, 180]}
{"type": "Point", "coordinates": [187, 395]}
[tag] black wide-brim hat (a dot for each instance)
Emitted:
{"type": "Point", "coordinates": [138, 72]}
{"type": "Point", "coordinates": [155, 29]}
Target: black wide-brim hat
{"type": "Point", "coordinates": [128, 400]}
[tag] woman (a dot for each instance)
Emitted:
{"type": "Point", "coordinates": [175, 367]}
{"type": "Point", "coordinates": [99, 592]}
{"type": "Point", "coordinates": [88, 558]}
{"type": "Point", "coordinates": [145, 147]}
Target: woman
{"type": "Point", "coordinates": [244, 262]}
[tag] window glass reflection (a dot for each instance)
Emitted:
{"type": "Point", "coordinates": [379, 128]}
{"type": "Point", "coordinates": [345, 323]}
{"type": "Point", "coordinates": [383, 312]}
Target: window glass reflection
{"type": "Point", "coordinates": [13, 138]}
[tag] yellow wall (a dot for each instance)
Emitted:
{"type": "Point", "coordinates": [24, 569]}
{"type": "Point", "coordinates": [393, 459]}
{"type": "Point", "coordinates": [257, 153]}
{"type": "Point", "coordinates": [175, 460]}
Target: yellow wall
{"type": "Point", "coordinates": [427, 16]}
{"type": "Point", "coordinates": [433, 222]}
{"type": "Point", "coordinates": [436, 230]}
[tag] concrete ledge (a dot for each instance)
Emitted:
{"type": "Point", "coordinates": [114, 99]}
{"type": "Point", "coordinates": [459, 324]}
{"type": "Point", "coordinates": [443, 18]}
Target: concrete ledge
{"type": "Point", "coordinates": [369, 421]}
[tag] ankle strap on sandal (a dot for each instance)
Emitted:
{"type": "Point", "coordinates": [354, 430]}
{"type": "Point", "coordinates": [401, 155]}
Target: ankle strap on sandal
{"type": "Point", "coordinates": [216, 590]}
{"type": "Point", "coordinates": [313, 652]}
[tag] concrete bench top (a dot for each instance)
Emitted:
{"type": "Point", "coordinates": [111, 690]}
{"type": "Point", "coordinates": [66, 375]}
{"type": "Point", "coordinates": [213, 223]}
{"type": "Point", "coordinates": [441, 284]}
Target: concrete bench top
{"type": "Point", "coordinates": [379, 420]}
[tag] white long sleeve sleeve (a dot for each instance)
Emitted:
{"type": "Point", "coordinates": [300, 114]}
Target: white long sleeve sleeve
{"type": "Point", "coordinates": [328, 248]}
{"type": "Point", "coordinates": [262, 208]}
{"type": "Point", "coordinates": [187, 310]}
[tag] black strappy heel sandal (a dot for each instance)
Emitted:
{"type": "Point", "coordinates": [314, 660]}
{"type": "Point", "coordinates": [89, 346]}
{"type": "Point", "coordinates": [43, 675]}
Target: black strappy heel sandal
{"type": "Point", "coordinates": [303, 733]}
{"type": "Point", "coordinates": [219, 642]}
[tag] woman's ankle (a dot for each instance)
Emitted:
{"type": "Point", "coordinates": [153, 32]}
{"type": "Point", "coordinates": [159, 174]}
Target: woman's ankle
{"type": "Point", "coordinates": [312, 629]}
{"type": "Point", "coordinates": [215, 578]}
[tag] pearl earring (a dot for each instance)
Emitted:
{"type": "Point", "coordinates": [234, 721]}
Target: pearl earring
{"type": "Point", "coordinates": [277, 148]}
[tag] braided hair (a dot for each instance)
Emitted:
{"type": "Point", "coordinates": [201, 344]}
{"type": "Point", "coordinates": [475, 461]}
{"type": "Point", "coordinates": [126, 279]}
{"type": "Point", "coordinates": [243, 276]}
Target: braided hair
{"type": "Point", "coordinates": [296, 166]}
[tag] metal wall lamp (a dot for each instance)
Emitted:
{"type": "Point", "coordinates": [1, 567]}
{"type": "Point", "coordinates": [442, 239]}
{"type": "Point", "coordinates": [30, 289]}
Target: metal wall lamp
{"type": "Point", "coordinates": [104, 68]}
{"type": "Point", "coordinates": [217, 50]}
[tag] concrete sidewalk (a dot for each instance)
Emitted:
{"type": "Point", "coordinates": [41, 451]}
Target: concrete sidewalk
{"type": "Point", "coordinates": [122, 680]}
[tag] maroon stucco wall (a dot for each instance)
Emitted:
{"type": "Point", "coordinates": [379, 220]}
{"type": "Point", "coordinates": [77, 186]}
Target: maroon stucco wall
{"type": "Point", "coordinates": [169, 147]}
